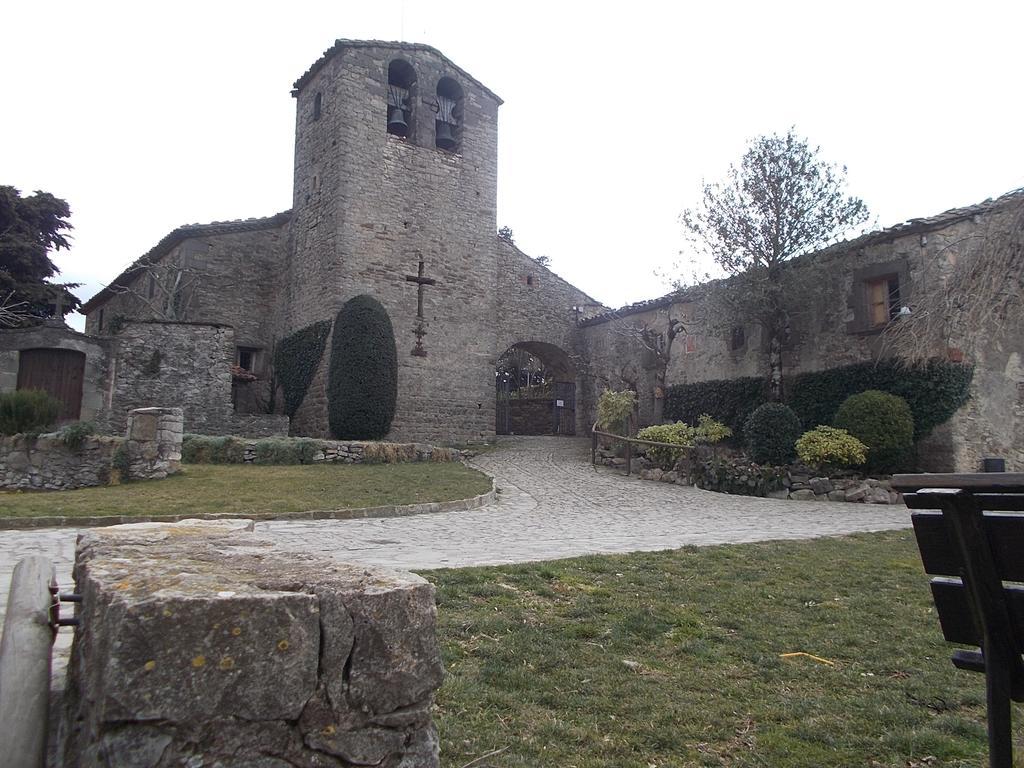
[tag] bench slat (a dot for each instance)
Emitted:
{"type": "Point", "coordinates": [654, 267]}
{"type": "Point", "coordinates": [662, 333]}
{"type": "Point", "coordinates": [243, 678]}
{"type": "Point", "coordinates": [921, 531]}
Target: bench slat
{"type": "Point", "coordinates": [978, 482]}
{"type": "Point", "coordinates": [996, 502]}
{"type": "Point", "coordinates": [941, 557]}
{"type": "Point", "coordinates": [958, 626]}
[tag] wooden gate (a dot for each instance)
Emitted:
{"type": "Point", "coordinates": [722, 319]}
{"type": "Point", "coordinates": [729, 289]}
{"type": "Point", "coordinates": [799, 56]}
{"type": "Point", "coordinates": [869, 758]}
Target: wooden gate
{"type": "Point", "coordinates": [565, 408]}
{"type": "Point", "coordinates": [57, 371]}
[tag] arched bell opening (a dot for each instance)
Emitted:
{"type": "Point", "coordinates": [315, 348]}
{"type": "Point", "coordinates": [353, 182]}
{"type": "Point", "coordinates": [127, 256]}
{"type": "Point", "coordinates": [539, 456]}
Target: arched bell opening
{"type": "Point", "coordinates": [448, 123]}
{"type": "Point", "coordinates": [535, 391]}
{"type": "Point", "coordinates": [401, 82]}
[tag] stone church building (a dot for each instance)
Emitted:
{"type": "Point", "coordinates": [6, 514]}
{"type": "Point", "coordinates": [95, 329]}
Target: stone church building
{"type": "Point", "coordinates": [394, 196]}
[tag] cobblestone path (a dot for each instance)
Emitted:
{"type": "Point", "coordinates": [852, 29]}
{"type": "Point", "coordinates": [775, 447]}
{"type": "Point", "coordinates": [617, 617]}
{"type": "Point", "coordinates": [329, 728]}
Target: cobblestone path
{"type": "Point", "coordinates": [552, 504]}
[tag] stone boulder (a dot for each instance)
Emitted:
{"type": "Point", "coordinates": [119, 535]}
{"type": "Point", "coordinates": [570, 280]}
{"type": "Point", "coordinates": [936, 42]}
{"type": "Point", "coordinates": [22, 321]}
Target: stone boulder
{"type": "Point", "coordinates": [202, 644]}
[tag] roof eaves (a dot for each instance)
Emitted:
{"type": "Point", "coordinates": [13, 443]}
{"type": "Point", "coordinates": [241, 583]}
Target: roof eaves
{"type": "Point", "coordinates": [173, 238]}
{"type": "Point", "coordinates": [342, 43]}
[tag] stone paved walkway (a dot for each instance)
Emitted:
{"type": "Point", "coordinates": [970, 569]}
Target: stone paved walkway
{"type": "Point", "coordinates": [552, 504]}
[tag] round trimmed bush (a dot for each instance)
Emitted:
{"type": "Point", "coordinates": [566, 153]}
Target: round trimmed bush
{"type": "Point", "coordinates": [771, 432]}
{"type": "Point", "coordinates": [830, 447]}
{"type": "Point", "coordinates": [882, 422]}
{"type": "Point", "coordinates": [362, 382]}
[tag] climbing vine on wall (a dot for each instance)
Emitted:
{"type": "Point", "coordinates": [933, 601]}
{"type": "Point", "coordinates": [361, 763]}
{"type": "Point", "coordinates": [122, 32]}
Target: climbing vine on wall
{"type": "Point", "coordinates": [934, 390]}
{"type": "Point", "coordinates": [296, 359]}
{"type": "Point", "coordinates": [362, 383]}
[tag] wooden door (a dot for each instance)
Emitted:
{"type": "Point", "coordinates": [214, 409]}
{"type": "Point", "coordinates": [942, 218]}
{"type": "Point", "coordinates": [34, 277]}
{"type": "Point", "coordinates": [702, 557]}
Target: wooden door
{"type": "Point", "coordinates": [57, 371]}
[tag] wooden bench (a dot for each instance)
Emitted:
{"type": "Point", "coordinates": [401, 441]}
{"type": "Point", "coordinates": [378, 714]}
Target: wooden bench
{"type": "Point", "coordinates": [972, 545]}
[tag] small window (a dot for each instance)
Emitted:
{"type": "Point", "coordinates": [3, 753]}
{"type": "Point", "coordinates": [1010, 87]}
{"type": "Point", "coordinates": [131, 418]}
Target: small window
{"type": "Point", "coordinates": [401, 79]}
{"type": "Point", "coordinates": [99, 323]}
{"type": "Point", "coordinates": [529, 280]}
{"type": "Point", "coordinates": [448, 124]}
{"type": "Point", "coordinates": [152, 287]}
{"type": "Point", "coordinates": [883, 300]}
{"type": "Point", "coordinates": [737, 338]}
{"type": "Point", "coordinates": [318, 102]}
{"type": "Point", "coordinates": [247, 358]}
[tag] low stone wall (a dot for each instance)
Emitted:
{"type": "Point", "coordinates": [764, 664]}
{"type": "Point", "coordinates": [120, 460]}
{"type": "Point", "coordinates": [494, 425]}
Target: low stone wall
{"type": "Point", "coordinates": [45, 463]}
{"type": "Point", "coordinates": [202, 644]}
{"type": "Point", "coordinates": [151, 449]}
{"type": "Point", "coordinates": [211, 449]}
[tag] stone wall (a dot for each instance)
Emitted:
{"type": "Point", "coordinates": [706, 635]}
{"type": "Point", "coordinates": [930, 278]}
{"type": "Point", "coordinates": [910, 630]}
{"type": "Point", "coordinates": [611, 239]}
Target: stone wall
{"type": "Point", "coordinates": [529, 417]}
{"type": "Point", "coordinates": [187, 365]}
{"type": "Point", "coordinates": [96, 381]}
{"type": "Point", "coordinates": [151, 450]}
{"type": "Point", "coordinates": [829, 328]}
{"type": "Point", "coordinates": [201, 644]}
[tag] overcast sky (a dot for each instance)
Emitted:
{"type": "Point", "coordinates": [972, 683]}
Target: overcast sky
{"type": "Point", "coordinates": [148, 116]}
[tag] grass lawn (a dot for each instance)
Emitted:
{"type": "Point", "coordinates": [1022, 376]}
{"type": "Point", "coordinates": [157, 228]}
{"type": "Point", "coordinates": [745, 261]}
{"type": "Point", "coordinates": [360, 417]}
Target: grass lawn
{"type": "Point", "coordinates": [674, 659]}
{"type": "Point", "coordinates": [245, 489]}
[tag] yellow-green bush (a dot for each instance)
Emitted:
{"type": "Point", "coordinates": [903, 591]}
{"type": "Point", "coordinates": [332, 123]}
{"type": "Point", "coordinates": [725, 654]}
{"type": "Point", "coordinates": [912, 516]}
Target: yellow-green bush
{"type": "Point", "coordinates": [708, 431]}
{"type": "Point", "coordinates": [830, 446]}
{"type": "Point", "coordinates": [680, 434]}
{"type": "Point", "coordinates": [613, 409]}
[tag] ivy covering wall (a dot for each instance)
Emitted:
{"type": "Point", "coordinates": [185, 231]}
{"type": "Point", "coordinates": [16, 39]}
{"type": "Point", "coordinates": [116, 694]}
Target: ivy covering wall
{"type": "Point", "coordinates": [296, 359]}
{"type": "Point", "coordinates": [934, 390]}
{"type": "Point", "coordinates": [362, 382]}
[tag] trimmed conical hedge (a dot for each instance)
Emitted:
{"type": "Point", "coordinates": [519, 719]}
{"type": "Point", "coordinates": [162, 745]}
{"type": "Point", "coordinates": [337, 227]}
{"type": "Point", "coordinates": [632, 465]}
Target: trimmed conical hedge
{"type": "Point", "coordinates": [362, 382]}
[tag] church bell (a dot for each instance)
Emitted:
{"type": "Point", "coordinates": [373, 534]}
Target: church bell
{"type": "Point", "coordinates": [444, 138]}
{"type": "Point", "coordinates": [396, 122]}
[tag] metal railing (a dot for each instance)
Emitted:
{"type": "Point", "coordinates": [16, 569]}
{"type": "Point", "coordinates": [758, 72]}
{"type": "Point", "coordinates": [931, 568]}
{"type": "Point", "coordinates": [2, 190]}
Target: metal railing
{"type": "Point", "coordinates": [629, 441]}
{"type": "Point", "coordinates": [30, 627]}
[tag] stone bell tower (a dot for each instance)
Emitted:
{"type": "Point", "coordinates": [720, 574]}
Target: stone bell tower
{"type": "Point", "coordinates": [395, 195]}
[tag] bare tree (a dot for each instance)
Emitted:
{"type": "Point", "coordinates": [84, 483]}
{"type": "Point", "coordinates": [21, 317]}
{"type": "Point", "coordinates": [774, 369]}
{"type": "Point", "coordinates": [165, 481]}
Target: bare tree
{"type": "Point", "coordinates": [780, 202]}
{"type": "Point", "coordinates": [655, 346]}
{"type": "Point", "coordinates": [972, 285]}
{"type": "Point", "coordinates": [13, 313]}
{"type": "Point", "coordinates": [165, 290]}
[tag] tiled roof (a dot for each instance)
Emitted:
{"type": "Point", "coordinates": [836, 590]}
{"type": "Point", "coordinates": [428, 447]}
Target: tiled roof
{"type": "Point", "coordinates": [165, 246]}
{"type": "Point", "coordinates": [913, 226]}
{"type": "Point", "coordinates": [341, 44]}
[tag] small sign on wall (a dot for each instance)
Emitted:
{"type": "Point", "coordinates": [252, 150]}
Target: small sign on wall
{"type": "Point", "coordinates": [560, 403]}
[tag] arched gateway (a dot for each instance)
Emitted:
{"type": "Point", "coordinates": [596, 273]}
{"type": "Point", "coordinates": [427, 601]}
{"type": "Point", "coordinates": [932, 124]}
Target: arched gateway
{"type": "Point", "coordinates": [535, 391]}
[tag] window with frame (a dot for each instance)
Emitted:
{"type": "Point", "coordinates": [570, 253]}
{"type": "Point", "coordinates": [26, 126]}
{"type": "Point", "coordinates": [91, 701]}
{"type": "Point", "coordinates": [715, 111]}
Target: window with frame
{"type": "Point", "coordinates": [246, 358]}
{"type": "Point", "coordinates": [883, 300]}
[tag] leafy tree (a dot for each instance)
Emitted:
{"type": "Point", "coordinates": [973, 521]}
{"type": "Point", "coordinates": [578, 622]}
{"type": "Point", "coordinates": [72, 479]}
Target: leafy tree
{"type": "Point", "coordinates": [781, 201]}
{"type": "Point", "coordinates": [505, 233]}
{"type": "Point", "coordinates": [31, 227]}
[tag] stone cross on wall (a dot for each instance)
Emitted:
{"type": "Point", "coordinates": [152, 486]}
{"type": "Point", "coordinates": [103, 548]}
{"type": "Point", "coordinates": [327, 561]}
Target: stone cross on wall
{"type": "Point", "coordinates": [421, 322]}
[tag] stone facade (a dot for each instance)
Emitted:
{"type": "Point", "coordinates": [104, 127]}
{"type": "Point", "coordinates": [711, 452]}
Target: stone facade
{"type": "Point", "coordinates": [830, 328]}
{"type": "Point", "coordinates": [201, 644]}
{"type": "Point", "coordinates": [372, 210]}
{"type": "Point", "coordinates": [151, 450]}
{"type": "Point", "coordinates": [368, 208]}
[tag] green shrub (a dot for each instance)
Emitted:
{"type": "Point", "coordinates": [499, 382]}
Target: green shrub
{"type": "Point", "coordinates": [934, 390]}
{"type": "Point", "coordinates": [206, 449]}
{"type": "Point", "coordinates": [829, 446]}
{"type": "Point", "coordinates": [285, 450]}
{"type": "Point", "coordinates": [731, 402]}
{"type": "Point", "coordinates": [883, 422]}
{"type": "Point", "coordinates": [771, 432]}
{"type": "Point", "coordinates": [614, 410]}
{"type": "Point", "coordinates": [296, 358]}
{"type": "Point", "coordinates": [679, 434]}
{"type": "Point", "coordinates": [26, 411]}
{"type": "Point", "coordinates": [362, 382]}
{"type": "Point", "coordinates": [120, 462]}
{"type": "Point", "coordinates": [73, 435]}
{"type": "Point", "coordinates": [710, 431]}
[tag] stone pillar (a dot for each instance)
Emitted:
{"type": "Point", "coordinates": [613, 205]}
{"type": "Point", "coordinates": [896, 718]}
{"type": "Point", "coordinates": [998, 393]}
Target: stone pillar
{"type": "Point", "coordinates": [153, 442]}
{"type": "Point", "coordinates": [201, 644]}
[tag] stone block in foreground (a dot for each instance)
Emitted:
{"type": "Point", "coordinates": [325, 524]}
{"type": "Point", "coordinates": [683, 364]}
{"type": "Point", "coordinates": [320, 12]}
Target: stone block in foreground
{"type": "Point", "coordinates": [202, 644]}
